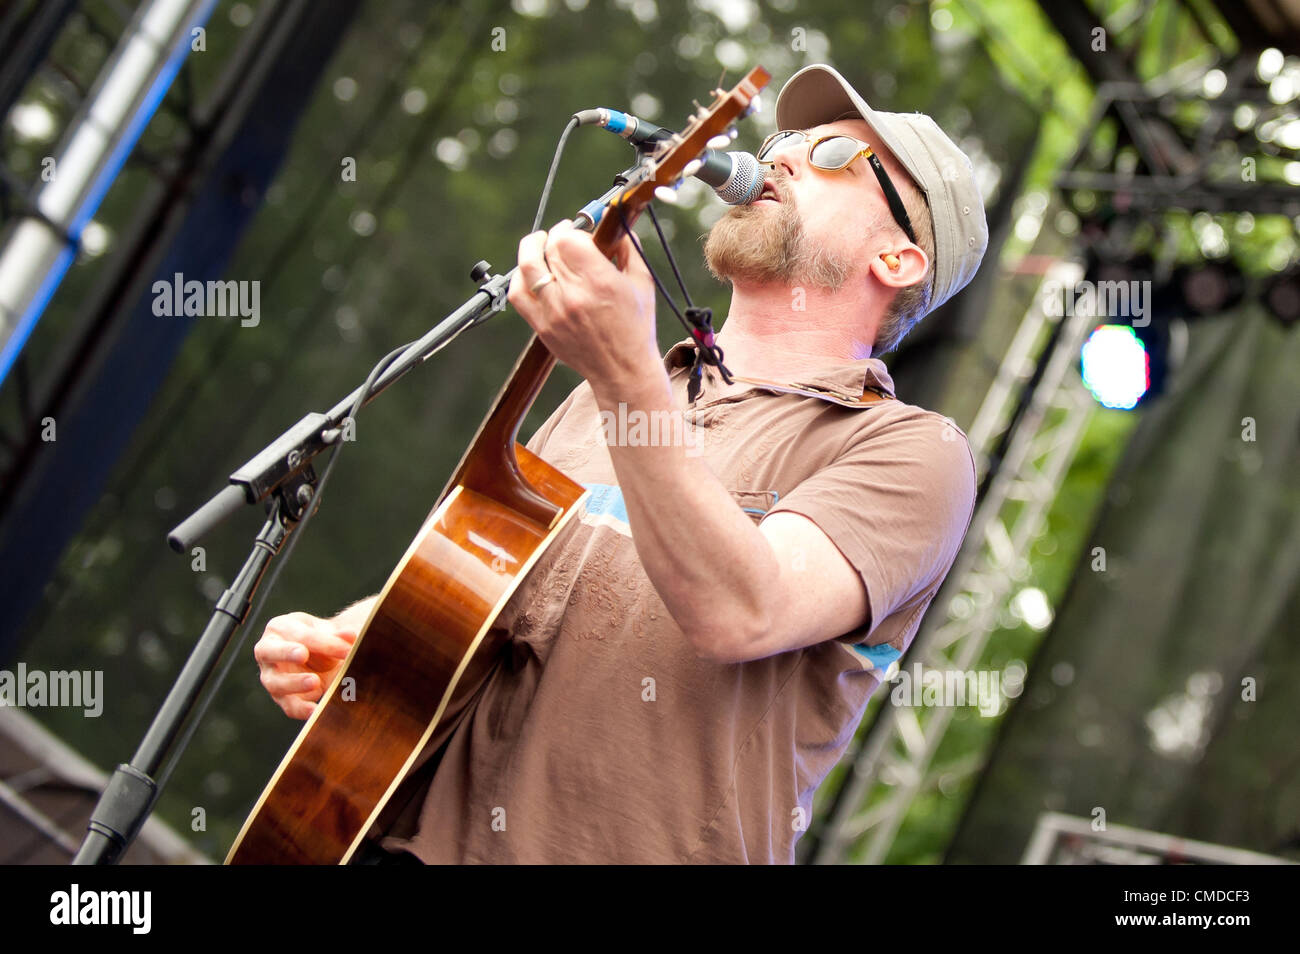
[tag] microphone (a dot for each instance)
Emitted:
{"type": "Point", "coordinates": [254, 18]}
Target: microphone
{"type": "Point", "coordinates": [736, 177]}
{"type": "Point", "coordinates": [636, 131]}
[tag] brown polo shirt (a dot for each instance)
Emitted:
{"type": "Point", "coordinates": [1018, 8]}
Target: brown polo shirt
{"type": "Point", "coordinates": [602, 736]}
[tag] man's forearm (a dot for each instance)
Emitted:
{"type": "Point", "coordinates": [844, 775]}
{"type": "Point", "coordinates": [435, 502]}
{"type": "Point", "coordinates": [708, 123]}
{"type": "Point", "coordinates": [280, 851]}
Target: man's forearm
{"type": "Point", "coordinates": [713, 569]}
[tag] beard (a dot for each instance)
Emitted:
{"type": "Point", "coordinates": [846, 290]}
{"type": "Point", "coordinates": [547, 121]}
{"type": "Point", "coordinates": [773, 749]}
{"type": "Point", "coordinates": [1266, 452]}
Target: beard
{"type": "Point", "coordinates": [765, 244]}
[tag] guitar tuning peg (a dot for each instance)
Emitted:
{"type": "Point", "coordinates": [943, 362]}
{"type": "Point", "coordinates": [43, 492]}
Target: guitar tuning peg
{"type": "Point", "coordinates": [733, 133]}
{"type": "Point", "coordinates": [720, 141]}
{"type": "Point", "coordinates": [666, 194]}
{"type": "Point", "coordinates": [755, 106]}
{"type": "Point", "coordinates": [693, 167]}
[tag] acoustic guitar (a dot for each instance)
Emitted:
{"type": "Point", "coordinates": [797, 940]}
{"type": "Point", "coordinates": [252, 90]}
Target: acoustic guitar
{"type": "Point", "coordinates": [428, 631]}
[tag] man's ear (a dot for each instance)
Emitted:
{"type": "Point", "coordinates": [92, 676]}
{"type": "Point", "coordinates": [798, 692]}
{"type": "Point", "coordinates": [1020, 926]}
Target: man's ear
{"type": "Point", "coordinates": [900, 267]}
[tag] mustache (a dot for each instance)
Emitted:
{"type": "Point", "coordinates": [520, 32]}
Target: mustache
{"type": "Point", "coordinates": [782, 185]}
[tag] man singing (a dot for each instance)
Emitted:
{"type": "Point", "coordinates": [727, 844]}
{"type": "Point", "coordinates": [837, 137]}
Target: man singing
{"type": "Point", "coordinates": [693, 653]}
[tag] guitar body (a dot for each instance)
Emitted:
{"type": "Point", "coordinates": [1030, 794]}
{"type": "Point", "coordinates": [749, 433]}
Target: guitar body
{"type": "Point", "coordinates": [428, 631]}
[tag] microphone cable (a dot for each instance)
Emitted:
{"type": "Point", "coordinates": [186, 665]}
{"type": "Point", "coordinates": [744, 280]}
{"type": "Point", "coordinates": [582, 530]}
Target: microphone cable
{"type": "Point", "coordinates": [550, 176]}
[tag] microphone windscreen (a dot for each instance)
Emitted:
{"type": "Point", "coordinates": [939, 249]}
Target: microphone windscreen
{"type": "Point", "coordinates": [745, 184]}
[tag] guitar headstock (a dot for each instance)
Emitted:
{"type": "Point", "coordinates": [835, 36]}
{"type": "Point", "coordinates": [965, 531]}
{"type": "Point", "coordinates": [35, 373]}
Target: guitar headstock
{"type": "Point", "coordinates": [665, 168]}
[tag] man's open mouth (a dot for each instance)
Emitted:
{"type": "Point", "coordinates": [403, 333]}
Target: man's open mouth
{"type": "Point", "coordinates": [770, 192]}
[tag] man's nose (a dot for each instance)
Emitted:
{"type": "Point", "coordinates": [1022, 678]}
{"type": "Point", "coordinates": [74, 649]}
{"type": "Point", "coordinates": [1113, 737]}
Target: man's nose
{"type": "Point", "coordinates": [788, 160]}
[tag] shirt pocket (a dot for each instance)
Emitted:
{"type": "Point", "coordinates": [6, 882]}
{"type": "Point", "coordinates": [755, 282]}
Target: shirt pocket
{"type": "Point", "coordinates": [756, 503]}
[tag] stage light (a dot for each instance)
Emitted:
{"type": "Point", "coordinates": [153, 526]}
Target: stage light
{"type": "Point", "coordinates": [1207, 289]}
{"type": "Point", "coordinates": [1116, 367]}
{"type": "Point", "coordinates": [1282, 297]}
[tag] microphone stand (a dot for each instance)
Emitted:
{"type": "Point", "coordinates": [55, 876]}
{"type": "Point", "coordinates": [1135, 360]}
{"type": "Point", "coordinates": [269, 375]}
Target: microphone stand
{"type": "Point", "coordinates": [282, 475]}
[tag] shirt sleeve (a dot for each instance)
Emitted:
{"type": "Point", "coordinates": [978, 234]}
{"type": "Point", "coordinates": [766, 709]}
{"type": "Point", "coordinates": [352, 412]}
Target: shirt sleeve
{"type": "Point", "coordinates": [896, 504]}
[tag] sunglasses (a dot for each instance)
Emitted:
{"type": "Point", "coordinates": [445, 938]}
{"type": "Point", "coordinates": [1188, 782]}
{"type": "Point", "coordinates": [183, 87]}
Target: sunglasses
{"type": "Point", "coordinates": [833, 153]}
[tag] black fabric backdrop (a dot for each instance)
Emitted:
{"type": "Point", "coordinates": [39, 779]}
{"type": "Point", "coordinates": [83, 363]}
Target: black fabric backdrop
{"type": "Point", "coordinates": [1134, 702]}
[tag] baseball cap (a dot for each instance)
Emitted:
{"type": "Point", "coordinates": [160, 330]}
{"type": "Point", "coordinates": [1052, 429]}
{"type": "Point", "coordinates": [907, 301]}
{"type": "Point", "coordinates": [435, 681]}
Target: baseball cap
{"type": "Point", "coordinates": [819, 94]}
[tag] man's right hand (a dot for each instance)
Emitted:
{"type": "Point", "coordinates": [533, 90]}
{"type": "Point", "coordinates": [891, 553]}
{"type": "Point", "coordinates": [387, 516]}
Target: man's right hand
{"type": "Point", "coordinates": [300, 656]}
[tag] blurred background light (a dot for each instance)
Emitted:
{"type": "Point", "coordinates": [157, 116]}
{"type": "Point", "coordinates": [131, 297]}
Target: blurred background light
{"type": "Point", "coordinates": [1116, 367]}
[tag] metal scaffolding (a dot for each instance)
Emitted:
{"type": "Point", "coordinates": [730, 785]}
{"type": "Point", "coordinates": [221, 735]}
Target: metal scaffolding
{"type": "Point", "coordinates": [41, 246]}
{"type": "Point", "coordinates": [1061, 839]}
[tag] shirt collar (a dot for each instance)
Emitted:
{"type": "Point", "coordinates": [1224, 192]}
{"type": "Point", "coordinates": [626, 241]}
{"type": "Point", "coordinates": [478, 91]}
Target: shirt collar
{"type": "Point", "coordinates": [846, 381]}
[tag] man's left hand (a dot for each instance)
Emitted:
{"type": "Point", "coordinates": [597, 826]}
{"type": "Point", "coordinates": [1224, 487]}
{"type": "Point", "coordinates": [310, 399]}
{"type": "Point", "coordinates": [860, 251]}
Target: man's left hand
{"type": "Point", "coordinates": [595, 315]}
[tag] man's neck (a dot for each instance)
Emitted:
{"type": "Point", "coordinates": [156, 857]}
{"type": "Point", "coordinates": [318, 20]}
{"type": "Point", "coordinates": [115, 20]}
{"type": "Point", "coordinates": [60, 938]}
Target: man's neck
{"type": "Point", "coordinates": [774, 330]}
